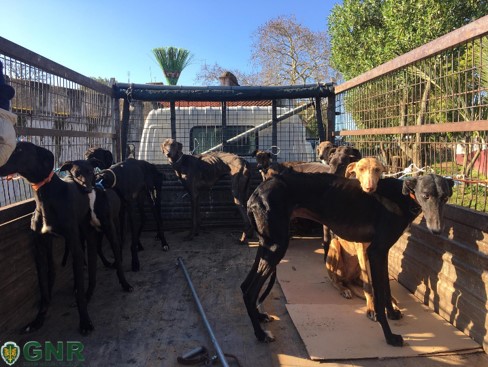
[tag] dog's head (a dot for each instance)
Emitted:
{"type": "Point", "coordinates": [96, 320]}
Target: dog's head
{"type": "Point", "coordinates": [172, 149]}
{"type": "Point", "coordinates": [368, 171]}
{"type": "Point", "coordinates": [431, 192]}
{"type": "Point", "coordinates": [323, 151]}
{"type": "Point", "coordinates": [104, 156]}
{"type": "Point", "coordinates": [33, 162]}
{"type": "Point", "coordinates": [82, 172]}
{"type": "Point", "coordinates": [263, 159]}
{"type": "Point", "coordinates": [340, 157]}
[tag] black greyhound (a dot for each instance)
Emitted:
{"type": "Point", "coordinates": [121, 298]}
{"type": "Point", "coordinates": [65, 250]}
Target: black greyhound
{"type": "Point", "coordinates": [134, 180]}
{"type": "Point", "coordinates": [105, 206]}
{"type": "Point", "coordinates": [62, 209]}
{"type": "Point", "coordinates": [352, 214]}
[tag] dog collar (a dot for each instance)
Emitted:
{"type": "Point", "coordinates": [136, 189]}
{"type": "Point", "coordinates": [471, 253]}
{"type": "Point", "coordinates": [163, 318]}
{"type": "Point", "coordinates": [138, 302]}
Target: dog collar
{"type": "Point", "coordinates": [115, 177]}
{"type": "Point", "coordinates": [179, 159]}
{"type": "Point", "coordinates": [38, 185]}
{"type": "Point", "coordinates": [412, 195]}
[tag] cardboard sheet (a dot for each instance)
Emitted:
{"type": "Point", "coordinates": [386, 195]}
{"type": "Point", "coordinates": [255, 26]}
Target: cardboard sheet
{"type": "Point", "coordinates": [335, 328]}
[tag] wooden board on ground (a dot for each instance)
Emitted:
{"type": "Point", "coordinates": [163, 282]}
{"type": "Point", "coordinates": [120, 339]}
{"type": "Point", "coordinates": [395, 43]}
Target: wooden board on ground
{"type": "Point", "coordinates": [335, 328]}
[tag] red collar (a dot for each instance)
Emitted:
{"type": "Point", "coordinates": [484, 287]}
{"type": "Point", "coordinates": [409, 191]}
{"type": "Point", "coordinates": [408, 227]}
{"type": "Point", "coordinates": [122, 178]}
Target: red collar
{"type": "Point", "coordinates": [412, 195]}
{"type": "Point", "coordinates": [38, 185]}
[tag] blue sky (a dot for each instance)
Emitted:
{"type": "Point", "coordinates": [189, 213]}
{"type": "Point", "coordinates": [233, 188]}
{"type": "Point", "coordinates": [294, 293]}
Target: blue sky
{"type": "Point", "coordinates": [107, 39]}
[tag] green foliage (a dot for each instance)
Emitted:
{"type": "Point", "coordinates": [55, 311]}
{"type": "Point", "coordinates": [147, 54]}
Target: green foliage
{"type": "Point", "coordinates": [172, 61]}
{"type": "Point", "coordinates": [367, 33]}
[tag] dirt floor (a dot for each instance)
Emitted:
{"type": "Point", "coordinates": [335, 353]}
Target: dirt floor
{"type": "Point", "coordinates": [159, 321]}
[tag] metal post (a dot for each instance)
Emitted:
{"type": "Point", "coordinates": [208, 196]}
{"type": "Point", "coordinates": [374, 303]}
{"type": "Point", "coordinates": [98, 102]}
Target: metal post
{"type": "Point", "coordinates": [331, 114]}
{"type": "Point", "coordinates": [172, 109]}
{"type": "Point", "coordinates": [318, 115]}
{"type": "Point", "coordinates": [274, 131]}
{"type": "Point", "coordinates": [124, 129]}
{"type": "Point", "coordinates": [218, 350]}
{"type": "Point", "coordinates": [224, 126]}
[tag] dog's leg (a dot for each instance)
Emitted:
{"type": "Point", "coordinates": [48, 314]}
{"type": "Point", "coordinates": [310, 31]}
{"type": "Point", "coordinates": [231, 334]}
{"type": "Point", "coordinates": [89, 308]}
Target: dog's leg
{"type": "Point", "coordinates": [42, 245]}
{"type": "Point", "coordinates": [334, 265]}
{"type": "Point", "coordinates": [378, 260]}
{"type": "Point", "coordinates": [111, 232]}
{"type": "Point", "coordinates": [155, 197]}
{"type": "Point", "coordinates": [73, 241]}
{"type": "Point", "coordinates": [392, 312]}
{"type": "Point", "coordinates": [135, 265]}
{"type": "Point", "coordinates": [255, 281]}
{"type": "Point", "coordinates": [326, 238]}
{"type": "Point", "coordinates": [366, 279]}
{"type": "Point", "coordinates": [141, 221]}
{"type": "Point", "coordinates": [91, 238]}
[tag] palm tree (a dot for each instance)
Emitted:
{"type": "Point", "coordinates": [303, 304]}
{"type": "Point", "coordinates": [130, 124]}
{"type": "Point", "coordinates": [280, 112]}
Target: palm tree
{"type": "Point", "coordinates": [172, 61]}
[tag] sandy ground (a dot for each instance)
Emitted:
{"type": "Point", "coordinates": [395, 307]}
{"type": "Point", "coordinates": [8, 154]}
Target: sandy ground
{"type": "Point", "coordinates": [159, 321]}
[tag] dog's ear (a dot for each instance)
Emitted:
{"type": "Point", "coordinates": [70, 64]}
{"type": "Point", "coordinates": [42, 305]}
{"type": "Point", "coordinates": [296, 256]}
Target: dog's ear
{"type": "Point", "coordinates": [66, 166]}
{"type": "Point", "coordinates": [253, 154]}
{"type": "Point", "coordinates": [350, 170]}
{"type": "Point", "coordinates": [356, 153]}
{"type": "Point", "coordinates": [268, 154]}
{"type": "Point", "coordinates": [409, 185]}
{"type": "Point", "coordinates": [180, 146]}
{"type": "Point", "coordinates": [450, 185]}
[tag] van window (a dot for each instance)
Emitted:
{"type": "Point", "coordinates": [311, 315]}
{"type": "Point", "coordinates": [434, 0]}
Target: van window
{"type": "Point", "coordinates": [203, 138]}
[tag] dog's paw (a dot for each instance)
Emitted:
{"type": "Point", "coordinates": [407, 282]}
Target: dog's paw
{"type": "Point", "coordinates": [165, 247]}
{"type": "Point", "coordinates": [346, 293]}
{"type": "Point", "coordinates": [264, 317]}
{"type": "Point", "coordinates": [33, 326]}
{"type": "Point", "coordinates": [86, 327]}
{"type": "Point", "coordinates": [127, 287]}
{"type": "Point", "coordinates": [394, 314]}
{"type": "Point", "coordinates": [265, 336]}
{"type": "Point", "coordinates": [395, 340]}
{"type": "Point", "coordinates": [370, 314]}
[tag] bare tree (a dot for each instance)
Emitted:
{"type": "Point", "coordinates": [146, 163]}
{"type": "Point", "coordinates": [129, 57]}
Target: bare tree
{"type": "Point", "coordinates": [288, 53]}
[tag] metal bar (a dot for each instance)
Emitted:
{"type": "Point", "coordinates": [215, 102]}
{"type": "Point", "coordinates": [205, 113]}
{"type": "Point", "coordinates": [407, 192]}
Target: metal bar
{"type": "Point", "coordinates": [318, 116]}
{"type": "Point", "coordinates": [147, 92]}
{"type": "Point", "coordinates": [124, 128]}
{"type": "Point", "coordinates": [331, 117]}
{"type": "Point", "coordinates": [224, 125]}
{"type": "Point", "coordinates": [172, 108]}
{"type": "Point", "coordinates": [35, 131]}
{"type": "Point", "coordinates": [461, 35]}
{"type": "Point", "coordinates": [274, 131]}
{"type": "Point", "coordinates": [262, 126]}
{"type": "Point", "coordinates": [218, 350]}
{"type": "Point", "coordinates": [481, 125]}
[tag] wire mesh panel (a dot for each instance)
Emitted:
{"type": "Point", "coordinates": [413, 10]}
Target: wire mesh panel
{"type": "Point", "coordinates": [57, 113]}
{"type": "Point", "coordinates": [428, 116]}
{"type": "Point", "coordinates": [238, 127]}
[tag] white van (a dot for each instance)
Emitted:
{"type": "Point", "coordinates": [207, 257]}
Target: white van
{"type": "Point", "coordinates": [199, 129]}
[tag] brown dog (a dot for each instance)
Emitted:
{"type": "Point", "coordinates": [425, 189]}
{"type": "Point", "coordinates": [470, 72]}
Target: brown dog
{"type": "Point", "coordinates": [347, 262]}
{"type": "Point", "coordinates": [268, 169]}
{"type": "Point", "coordinates": [201, 172]}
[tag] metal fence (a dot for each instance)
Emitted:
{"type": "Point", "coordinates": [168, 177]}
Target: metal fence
{"type": "Point", "coordinates": [426, 111]}
{"type": "Point", "coordinates": [286, 121]}
{"type": "Point", "coordinates": [56, 108]}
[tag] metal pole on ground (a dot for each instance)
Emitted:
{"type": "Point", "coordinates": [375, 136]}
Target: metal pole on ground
{"type": "Point", "coordinates": [218, 350]}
